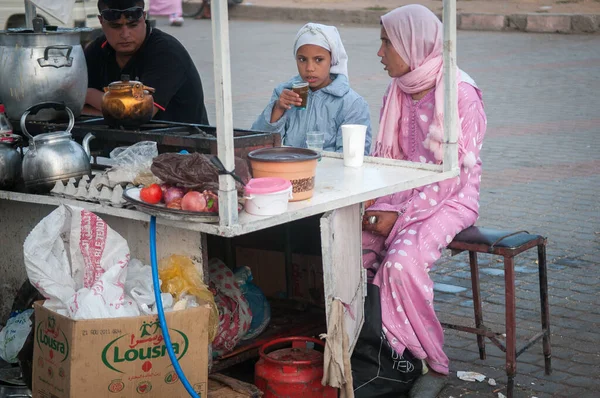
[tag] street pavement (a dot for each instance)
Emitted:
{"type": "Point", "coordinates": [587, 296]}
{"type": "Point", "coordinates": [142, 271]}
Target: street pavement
{"type": "Point", "coordinates": [541, 174]}
{"type": "Point", "coordinates": [548, 16]}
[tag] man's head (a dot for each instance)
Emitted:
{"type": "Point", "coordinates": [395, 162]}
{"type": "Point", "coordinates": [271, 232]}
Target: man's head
{"type": "Point", "coordinates": [123, 23]}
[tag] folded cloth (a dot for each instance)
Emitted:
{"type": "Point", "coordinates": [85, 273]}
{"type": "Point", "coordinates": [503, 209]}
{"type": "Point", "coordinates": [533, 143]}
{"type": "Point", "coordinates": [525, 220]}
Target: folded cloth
{"type": "Point", "coordinates": [337, 371]}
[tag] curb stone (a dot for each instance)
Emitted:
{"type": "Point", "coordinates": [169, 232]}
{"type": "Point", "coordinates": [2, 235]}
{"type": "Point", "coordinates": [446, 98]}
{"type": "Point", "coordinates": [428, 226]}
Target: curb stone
{"type": "Point", "coordinates": [530, 22]}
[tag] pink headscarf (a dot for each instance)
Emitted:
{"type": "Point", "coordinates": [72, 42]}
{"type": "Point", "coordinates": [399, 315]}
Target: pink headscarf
{"type": "Point", "coordinates": [417, 36]}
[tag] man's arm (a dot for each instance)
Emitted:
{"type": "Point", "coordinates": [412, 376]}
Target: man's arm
{"type": "Point", "coordinates": [93, 98]}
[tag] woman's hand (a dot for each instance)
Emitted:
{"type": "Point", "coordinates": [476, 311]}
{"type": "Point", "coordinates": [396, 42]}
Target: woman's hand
{"type": "Point", "coordinates": [384, 222]}
{"type": "Point", "coordinates": [287, 99]}
{"type": "Point", "coordinates": [369, 203]}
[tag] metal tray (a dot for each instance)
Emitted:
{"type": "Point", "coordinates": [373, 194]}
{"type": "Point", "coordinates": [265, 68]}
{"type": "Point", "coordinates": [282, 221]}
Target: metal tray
{"type": "Point", "coordinates": [132, 195]}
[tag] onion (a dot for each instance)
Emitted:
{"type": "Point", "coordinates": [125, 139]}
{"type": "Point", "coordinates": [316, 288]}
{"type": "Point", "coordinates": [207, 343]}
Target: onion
{"type": "Point", "coordinates": [212, 201]}
{"type": "Point", "coordinates": [173, 193]}
{"type": "Point", "coordinates": [175, 204]}
{"type": "Point", "coordinates": [163, 188]}
{"type": "Point", "coordinates": [193, 201]}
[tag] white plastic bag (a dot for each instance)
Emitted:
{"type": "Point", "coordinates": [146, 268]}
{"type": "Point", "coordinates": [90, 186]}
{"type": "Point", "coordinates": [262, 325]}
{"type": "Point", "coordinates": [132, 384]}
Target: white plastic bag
{"type": "Point", "coordinates": [132, 164]}
{"type": "Point", "coordinates": [140, 288]}
{"type": "Point", "coordinates": [14, 334]}
{"type": "Point", "coordinates": [79, 264]}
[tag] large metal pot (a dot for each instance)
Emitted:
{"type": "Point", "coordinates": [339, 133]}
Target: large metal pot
{"type": "Point", "coordinates": [53, 157]}
{"type": "Point", "coordinates": [12, 384]}
{"type": "Point", "coordinates": [127, 103]}
{"type": "Point", "coordinates": [8, 391]}
{"type": "Point", "coordinates": [39, 67]}
{"type": "Point", "coordinates": [10, 161]}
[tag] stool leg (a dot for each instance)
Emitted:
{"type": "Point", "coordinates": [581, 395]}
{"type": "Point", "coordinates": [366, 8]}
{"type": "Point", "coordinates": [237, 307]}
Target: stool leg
{"type": "Point", "coordinates": [477, 301]}
{"type": "Point", "coordinates": [545, 307]}
{"type": "Point", "coordinates": [511, 328]}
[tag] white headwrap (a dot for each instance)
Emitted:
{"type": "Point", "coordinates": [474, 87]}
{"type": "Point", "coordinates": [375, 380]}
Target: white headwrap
{"type": "Point", "coordinates": [327, 37]}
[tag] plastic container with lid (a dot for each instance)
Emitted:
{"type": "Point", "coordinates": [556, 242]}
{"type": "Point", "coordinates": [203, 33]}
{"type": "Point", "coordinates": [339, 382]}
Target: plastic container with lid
{"type": "Point", "coordinates": [298, 165]}
{"type": "Point", "coordinates": [267, 196]}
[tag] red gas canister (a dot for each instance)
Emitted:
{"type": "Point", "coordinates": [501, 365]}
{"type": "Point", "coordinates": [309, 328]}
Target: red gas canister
{"type": "Point", "coordinates": [294, 372]}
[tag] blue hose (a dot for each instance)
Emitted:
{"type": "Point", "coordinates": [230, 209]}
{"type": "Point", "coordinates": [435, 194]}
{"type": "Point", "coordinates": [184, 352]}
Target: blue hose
{"type": "Point", "coordinates": [161, 313]}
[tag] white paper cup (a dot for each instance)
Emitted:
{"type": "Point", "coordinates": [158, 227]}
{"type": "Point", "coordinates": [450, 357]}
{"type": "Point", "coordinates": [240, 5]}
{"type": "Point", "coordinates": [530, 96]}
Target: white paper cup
{"type": "Point", "coordinates": [354, 136]}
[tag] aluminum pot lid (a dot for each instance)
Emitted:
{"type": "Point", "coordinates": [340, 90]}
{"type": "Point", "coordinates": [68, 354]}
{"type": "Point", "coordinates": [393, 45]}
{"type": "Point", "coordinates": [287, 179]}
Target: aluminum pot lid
{"type": "Point", "coordinates": [12, 376]}
{"type": "Point", "coordinates": [283, 155]}
{"type": "Point", "coordinates": [48, 30]}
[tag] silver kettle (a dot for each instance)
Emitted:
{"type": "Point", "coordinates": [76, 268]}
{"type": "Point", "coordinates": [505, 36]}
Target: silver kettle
{"type": "Point", "coordinates": [53, 157]}
{"type": "Point", "coordinates": [10, 161]}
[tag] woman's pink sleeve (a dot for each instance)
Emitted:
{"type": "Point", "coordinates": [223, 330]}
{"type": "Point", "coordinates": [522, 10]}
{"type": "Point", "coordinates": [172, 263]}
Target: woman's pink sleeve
{"type": "Point", "coordinates": [473, 123]}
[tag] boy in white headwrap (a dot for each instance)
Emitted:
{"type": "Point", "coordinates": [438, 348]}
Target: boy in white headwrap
{"type": "Point", "coordinates": [323, 63]}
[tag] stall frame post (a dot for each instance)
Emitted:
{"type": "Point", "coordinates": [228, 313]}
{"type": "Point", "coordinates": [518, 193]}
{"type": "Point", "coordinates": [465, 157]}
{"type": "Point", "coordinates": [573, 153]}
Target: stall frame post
{"type": "Point", "coordinates": [451, 126]}
{"type": "Point", "coordinates": [228, 206]}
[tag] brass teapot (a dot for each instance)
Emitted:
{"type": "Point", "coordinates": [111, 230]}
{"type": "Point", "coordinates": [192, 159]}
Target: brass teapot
{"type": "Point", "coordinates": [127, 103]}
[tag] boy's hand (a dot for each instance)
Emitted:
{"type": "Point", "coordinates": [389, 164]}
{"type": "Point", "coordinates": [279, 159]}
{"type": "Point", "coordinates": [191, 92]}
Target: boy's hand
{"type": "Point", "coordinates": [287, 99]}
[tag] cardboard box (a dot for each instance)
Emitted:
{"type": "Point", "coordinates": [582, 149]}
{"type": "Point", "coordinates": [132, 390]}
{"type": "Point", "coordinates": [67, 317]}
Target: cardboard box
{"type": "Point", "coordinates": [118, 357]}
{"type": "Point", "coordinates": [268, 271]}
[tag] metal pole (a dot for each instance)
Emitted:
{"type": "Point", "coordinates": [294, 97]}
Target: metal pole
{"type": "Point", "coordinates": [222, 70]}
{"type": "Point", "coordinates": [30, 13]}
{"type": "Point", "coordinates": [450, 88]}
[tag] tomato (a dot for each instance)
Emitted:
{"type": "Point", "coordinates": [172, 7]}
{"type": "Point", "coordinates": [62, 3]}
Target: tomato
{"type": "Point", "coordinates": [151, 194]}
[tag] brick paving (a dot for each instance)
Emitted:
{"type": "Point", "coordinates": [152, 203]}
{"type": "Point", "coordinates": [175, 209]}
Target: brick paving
{"type": "Point", "coordinates": [541, 174]}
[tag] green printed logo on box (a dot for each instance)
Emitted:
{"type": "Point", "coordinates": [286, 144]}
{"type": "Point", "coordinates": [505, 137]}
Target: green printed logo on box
{"type": "Point", "coordinates": [50, 338]}
{"type": "Point", "coordinates": [148, 345]}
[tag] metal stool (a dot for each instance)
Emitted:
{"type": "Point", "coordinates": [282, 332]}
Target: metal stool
{"type": "Point", "coordinates": [507, 244]}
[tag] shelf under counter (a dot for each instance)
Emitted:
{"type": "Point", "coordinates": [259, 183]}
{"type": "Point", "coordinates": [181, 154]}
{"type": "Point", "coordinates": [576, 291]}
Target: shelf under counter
{"type": "Point", "coordinates": [336, 187]}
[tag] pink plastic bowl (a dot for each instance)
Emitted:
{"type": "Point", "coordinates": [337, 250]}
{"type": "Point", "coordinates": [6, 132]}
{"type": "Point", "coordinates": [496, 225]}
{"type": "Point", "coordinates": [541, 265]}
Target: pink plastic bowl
{"type": "Point", "coordinates": [267, 196]}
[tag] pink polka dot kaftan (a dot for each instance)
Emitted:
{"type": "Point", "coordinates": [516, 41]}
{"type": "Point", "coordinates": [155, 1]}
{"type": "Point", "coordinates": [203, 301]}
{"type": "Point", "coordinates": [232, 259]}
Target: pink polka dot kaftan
{"type": "Point", "coordinates": [428, 219]}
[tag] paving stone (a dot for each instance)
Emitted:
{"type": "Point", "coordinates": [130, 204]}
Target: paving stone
{"type": "Point", "coordinates": [492, 271]}
{"type": "Point", "coordinates": [572, 262]}
{"type": "Point", "coordinates": [537, 384]}
{"type": "Point", "coordinates": [483, 22]}
{"type": "Point", "coordinates": [580, 381]}
{"type": "Point", "coordinates": [445, 288]}
{"type": "Point", "coordinates": [462, 274]}
{"type": "Point", "coordinates": [518, 22]}
{"type": "Point", "coordinates": [526, 270]}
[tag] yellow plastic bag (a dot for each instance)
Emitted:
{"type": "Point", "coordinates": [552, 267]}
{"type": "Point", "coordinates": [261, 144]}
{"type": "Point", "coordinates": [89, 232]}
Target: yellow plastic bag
{"type": "Point", "coordinates": [180, 277]}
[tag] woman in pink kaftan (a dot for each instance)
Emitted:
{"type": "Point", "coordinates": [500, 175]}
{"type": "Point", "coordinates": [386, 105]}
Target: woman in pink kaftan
{"type": "Point", "coordinates": [172, 8]}
{"type": "Point", "coordinates": [411, 228]}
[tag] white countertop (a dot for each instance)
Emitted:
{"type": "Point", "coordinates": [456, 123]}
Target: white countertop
{"type": "Point", "coordinates": [336, 186]}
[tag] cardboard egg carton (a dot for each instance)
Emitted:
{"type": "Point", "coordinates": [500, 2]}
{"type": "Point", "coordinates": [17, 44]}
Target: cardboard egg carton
{"type": "Point", "coordinates": [97, 190]}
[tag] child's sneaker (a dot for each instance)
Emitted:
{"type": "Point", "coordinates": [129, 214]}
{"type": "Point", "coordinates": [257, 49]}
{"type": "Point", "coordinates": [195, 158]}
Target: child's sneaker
{"type": "Point", "coordinates": [176, 20]}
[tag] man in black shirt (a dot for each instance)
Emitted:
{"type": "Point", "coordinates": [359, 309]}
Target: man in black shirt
{"type": "Point", "coordinates": [131, 47]}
